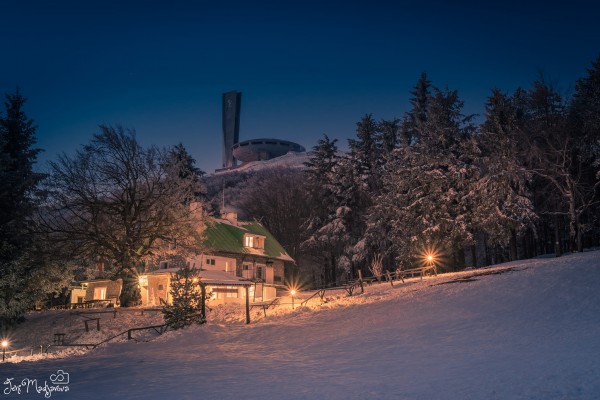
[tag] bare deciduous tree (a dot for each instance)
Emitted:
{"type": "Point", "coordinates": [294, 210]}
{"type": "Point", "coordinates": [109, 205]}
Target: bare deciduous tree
{"type": "Point", "coordinates": [118, 202]}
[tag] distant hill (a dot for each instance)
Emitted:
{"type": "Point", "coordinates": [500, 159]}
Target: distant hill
{"type": "Point", "coordinates": [289, 160]}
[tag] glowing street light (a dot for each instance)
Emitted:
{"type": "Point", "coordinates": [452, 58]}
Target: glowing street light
{"type": "Point", "coordinates": [4, 346]}
{"type": "Point", "coordinates": [431, 261]}
{"type": "Point", "coordinates": [293, 292]}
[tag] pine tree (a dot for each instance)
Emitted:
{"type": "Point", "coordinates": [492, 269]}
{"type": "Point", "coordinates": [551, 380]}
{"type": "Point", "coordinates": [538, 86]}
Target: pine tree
{"type": "Point", "coordinates": [18, 181]}
{"type": "Point", "coordinates": [413, 124]}
{"type": "Point", "coordinates": [427, 197]}
{"type": "Point", "coordinates": [325, 237]}
{"type": "Point", "coordinates": [19, 258]}
{"type": "Point", "coordinates": [390, 130]}
{"type": "Point", "coordinates": [503, 206]}
{"type": "Point", "coordinates": [188, 295]}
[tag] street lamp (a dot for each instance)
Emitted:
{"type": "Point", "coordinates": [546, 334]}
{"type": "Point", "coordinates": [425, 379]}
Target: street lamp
{"type": "Point", "coordinates": [4, 346]}
{"type": "Point", "coordinates": [293, 292]}
{"type": "Point", "coordinates": [431, 262]}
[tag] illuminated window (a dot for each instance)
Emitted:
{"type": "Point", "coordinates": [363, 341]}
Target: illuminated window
{"type": "Point", "coordinates": [100, 293]}
{"type": "Point", "coordinates": [225, 292]}
{"type": "Point", "coordinates": [254, 241]}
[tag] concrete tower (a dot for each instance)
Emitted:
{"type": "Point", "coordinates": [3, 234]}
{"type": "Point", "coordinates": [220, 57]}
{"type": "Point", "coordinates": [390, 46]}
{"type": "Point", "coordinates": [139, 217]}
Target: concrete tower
{"type": "Point", "coordinates": [232, 102]}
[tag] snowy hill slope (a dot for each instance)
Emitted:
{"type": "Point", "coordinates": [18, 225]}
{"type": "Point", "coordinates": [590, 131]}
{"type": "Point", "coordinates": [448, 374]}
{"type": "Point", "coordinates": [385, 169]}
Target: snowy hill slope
{"type": "Point", "coordinates": [523, 330]}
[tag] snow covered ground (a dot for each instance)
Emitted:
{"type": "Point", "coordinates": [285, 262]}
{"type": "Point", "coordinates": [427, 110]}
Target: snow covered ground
{"type": "Point", "coordinates": [522, 330]}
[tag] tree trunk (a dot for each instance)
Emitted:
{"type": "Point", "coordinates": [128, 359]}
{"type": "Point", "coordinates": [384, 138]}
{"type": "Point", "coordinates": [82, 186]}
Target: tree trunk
{"type": "Point", "coordinates": [579, 237]}
{"type": "Point", "coordinates": [131, 295]}
{"type": "Point", "coordinates": [513, 245]}
{"type": "Point", "coordinates": [557, 241]}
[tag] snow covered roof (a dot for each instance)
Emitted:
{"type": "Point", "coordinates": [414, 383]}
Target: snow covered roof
{"type": "Point", "coordinates": [220, 278]}
{"type": "Point", "coordinates": [222, 235]}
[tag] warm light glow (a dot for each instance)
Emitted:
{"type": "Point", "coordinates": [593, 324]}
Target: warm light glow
{"type": "Point", "coordinates": [292, 292]}
{"type": "Point", "coordinates": [195, 280]}
{"type": "Point", "coordinates": [143, 280]}
{"type": "Point", "coordinates": [430, 255]}
{"type": "Point", "coordinates": [5, 343]}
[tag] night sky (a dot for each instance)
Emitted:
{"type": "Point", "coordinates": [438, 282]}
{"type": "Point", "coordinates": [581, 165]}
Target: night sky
{"type": "Point", "coordinates": [304, 68]}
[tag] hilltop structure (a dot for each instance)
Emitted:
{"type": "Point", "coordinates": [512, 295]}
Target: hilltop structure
{"type": "Point", "coordinates": [248, 150]}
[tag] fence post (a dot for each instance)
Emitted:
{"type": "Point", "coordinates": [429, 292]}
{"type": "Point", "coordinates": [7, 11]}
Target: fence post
{"type": "Point", "coordinates": [360, 280]}
{"type": "Point", "coordinates": [247, 304]}
{"type": "Point", "coordinates": [203, 289]}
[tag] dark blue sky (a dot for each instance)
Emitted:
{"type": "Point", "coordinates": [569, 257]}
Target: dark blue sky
{"type": "Point", "coordinates": [304, 68]}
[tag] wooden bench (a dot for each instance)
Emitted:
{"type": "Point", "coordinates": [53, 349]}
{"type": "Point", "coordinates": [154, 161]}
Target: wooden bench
{"type": "Point", "coordinates": [87, 320]}
{"type": "Point", "coordinates": [265, 304]}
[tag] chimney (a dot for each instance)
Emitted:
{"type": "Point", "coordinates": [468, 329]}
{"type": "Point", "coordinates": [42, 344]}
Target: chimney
{"type": "Point", "coordinates": [230, 216]}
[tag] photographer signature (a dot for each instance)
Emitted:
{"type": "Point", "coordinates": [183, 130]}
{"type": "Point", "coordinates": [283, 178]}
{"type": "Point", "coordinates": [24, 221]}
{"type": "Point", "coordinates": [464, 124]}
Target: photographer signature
{"type": "Point", "coordinates": [59, 382]}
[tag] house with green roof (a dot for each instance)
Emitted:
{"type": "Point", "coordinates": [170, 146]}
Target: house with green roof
{"type": "Point", "coordinates": [236, 254]}
{"type": "Point", "coordinates": [238, 257]}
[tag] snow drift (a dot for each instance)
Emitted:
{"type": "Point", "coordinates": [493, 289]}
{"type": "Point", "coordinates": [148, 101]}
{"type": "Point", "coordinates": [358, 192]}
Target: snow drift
{"type": "Point", "coordinates": [523, 330]}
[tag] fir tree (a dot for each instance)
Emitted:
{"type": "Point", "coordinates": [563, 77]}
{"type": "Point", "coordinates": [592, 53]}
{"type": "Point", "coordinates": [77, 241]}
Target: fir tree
{"type": "Point", "coordinates": [325, 237]}
{"type": "Point", "coordinates": [427, 196]}
{"type": "Point", "coordinates": [20, 261]}
{"type": "Point", "coordinates": [188, 295]}
{"type": "Point", "coordinates": [413, 124]}
{"type": "Point", "coordinates": [503, 202]}
{"type": "Point", "coordinates": [18, 181]}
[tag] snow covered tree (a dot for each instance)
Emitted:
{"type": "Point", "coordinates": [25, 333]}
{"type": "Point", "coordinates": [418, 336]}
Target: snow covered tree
{"type": "Point", "coordinates": [188, 304]}
{"type": "Point", "coordinates": [119, 202]}
{"type": "Point", "coordinates": [413, 124]}
{"type": "Point", "coordinates": [563, 158]}
{"type": "Point", "coordinates": [584, 123]}
{"type": "Point", "coordinates": [326, 236]}
{"type": "Point", "coordinates": [390, 131]}
{"type": "Point", "coordinates": [503, 200]}
{"type": "Point", "coordinates": [366, 153]}
{"type": "Point", "coordinates": [427, 199]}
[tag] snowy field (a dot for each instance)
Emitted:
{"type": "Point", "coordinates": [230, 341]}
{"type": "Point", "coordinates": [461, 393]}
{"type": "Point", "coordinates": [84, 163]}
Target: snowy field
{"type": "Point", "coordinates": [523, 330]}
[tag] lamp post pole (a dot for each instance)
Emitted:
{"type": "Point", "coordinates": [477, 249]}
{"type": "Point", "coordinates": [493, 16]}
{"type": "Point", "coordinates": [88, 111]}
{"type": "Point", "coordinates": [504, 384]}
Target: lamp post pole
{"type": "Point", "coordinates": [292, 292]}
{"type": "Point", "coordinates": [4, 346]}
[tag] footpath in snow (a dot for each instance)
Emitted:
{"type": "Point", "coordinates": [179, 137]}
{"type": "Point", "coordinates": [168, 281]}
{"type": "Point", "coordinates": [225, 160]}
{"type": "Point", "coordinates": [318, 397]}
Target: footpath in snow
{"type": "Point", "coordinates": [522, 330]}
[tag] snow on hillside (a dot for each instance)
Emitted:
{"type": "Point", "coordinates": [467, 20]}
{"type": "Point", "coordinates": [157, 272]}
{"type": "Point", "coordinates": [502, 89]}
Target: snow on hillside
{"type": "Point", "coordinates": [289, 160]}
{"type": "Point", "coordinates": [522, 330]}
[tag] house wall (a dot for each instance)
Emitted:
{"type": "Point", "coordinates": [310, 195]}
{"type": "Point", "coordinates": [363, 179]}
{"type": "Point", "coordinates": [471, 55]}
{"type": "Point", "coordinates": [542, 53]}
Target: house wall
{"type": "Point", "coordinates": [113, 289]}
{"type": "Point", "coordinates": [77, 294]}
{"type": "Point", "coordinates": [157, 288]}
{"type": "Point", "coordinates": [235, 265]}
{"type": "Point", "coordinates": [226, 295]}
{"type": "Point", "coordinates": [214, 262]}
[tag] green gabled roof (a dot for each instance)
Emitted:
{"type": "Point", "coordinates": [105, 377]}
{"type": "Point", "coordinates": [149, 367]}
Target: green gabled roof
{"type": "Point", "coordinates": [224, 236]}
